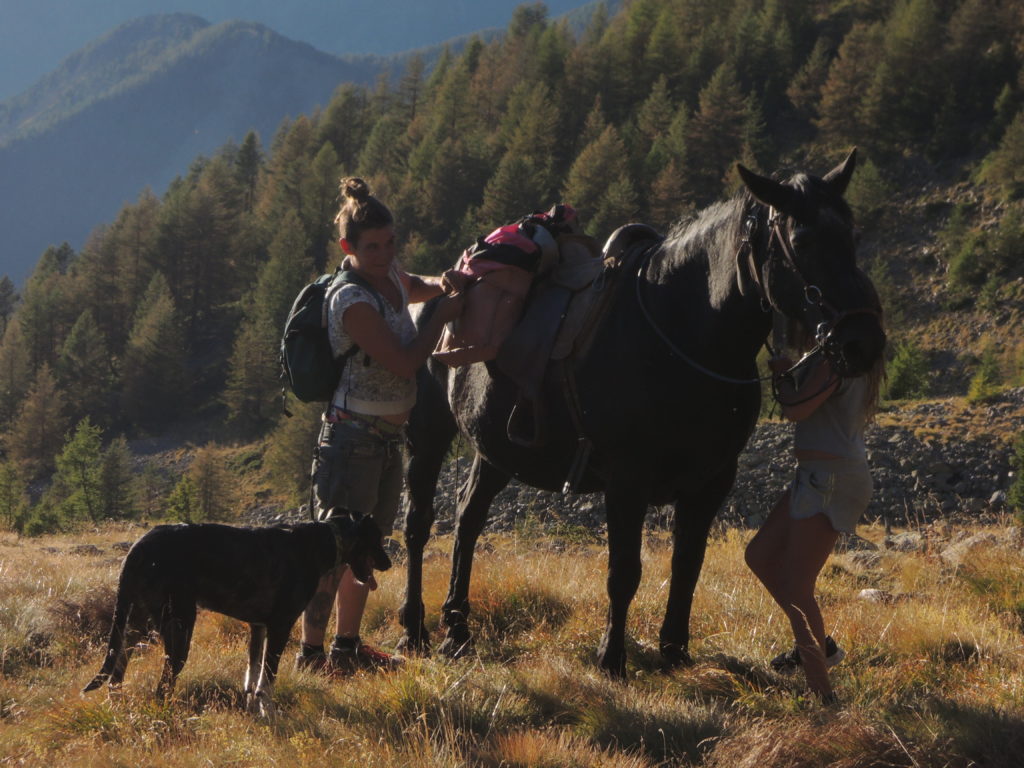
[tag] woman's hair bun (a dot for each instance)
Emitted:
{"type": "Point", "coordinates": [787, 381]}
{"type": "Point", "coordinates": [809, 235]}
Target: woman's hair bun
{"type": "Point", "coordinates": [355, 188]}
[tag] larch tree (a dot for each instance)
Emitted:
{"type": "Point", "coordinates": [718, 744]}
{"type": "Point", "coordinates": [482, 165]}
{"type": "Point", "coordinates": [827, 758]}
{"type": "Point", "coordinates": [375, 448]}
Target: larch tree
{"type": "Point", "coordinates": [8, 301]}
{"type": "Point", "coordinates": [37, 432]}
{"type": "Point", "coordinates": [15, 373]}
{"type": "Point", "coordinates": [84, 367]}
{"type": "Point", "coordinates": [599, 185]}
{"type": "Point", "coordinates": [153, 373]}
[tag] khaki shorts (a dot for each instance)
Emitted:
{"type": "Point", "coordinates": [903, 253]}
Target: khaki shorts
{"type": "Point", "coordinates": [359, 469]}
{"type": "Point", "coordinates": [840, 489]}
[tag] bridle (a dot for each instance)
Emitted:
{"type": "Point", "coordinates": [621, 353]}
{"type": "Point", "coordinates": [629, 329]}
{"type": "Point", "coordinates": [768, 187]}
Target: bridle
{"type": "Point", "coordinates": [763, 278]}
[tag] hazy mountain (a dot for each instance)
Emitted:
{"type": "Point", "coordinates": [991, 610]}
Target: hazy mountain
{"type": "Point", "coordinates": [36, 35]}
{"type": "Point", "coordinates": [134, 109]}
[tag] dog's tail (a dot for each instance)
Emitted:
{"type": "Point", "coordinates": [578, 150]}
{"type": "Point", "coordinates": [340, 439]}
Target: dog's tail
{"type": "Point", "coordinates": [117, 652]}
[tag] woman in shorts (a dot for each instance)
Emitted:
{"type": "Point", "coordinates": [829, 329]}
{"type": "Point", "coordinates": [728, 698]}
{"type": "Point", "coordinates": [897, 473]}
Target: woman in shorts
{"type": "Point", "coordinates": [358, 467]}
{"type": "Point", "coordinates": [827, 497]}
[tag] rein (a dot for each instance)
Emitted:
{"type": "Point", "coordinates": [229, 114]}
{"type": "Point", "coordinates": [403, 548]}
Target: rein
{"type": "Point", "coordinates": [813, 295]}
{"type": "Point", "coordinates": [670, 344]}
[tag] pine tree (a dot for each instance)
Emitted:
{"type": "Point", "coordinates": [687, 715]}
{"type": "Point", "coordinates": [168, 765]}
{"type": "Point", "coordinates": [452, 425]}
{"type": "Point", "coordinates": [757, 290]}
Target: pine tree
{"type": "Point", "coordinates": [84, 367]}
{"type": "Point", "coordinates": [116, 481]}
{"type": "Point", "coordinates": [248, 165]}
{"type": "Point", "coordinates": [213, 494]}
{"type": "Point", "coordinates": [804, 90]}
{"type": "Point", "coordinates": [36, 434]}
{"type": "Point", "coordinates": [115, 267]}
{"type": "Point", "coordinates": [525, 180]}
{"type": "Point", "coordinates": [45, 311]}
{"type": "Point", "coordinates": [253, 385]}
{"type": "Point", "coordinates": [154, 360]}
{"type": "Point", "coordinates": [600, 187]}
{"type": "Point", "coordinates": [849, 78]}
{"type": "Point", "coordinates": [253, 382]}
{"type": "Point", "coordinates": [76, 488]}
{"type": "Point", "coordinates": [719, 131]}
{"type": "Point", "coordinates": [8, 301]}
{"type": "Point", "coordinates": [319, 205]}
{"type": "Point", "coordinates": [183, 503]}
{"type": "Point", "coordinates": [290, 452]}
{"type": "Point", "coordinates": [1003, 168]}
{"type": "Point", "coordinates": [904, 95]}
{"type": "Point", "coordinates": [346, 123]}
{"type": "Point", "coordinates": [13, 498]}
{"type": "Point", "coordinates": [15, 373]}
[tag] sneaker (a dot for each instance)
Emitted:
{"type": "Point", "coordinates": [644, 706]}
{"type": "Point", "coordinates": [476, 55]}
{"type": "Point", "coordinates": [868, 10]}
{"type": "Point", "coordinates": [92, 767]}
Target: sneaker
{"type": "Point", "coordinates": [349, 657]}
{"type": "Point", "coordinates": [317, 663]}
{"type": "Point", "coordinates": [790, 660]}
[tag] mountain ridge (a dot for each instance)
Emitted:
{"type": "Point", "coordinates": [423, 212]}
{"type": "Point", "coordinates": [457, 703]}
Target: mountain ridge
{"type": "Point", "coordinates": [72, 159]}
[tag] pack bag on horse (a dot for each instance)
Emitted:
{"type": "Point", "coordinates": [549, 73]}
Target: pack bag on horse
{"type": "Point", "coordinates": [662, 387]}
{"type": "Point", "coordinates": [501, 269]}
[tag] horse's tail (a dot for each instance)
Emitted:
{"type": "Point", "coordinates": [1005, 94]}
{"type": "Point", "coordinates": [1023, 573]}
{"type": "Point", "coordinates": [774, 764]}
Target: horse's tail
{"type": "Point", "coordinates": [117, 646]}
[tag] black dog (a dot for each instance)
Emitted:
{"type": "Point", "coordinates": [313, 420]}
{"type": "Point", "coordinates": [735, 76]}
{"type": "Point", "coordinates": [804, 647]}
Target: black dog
{"type": "Point", "coordinates": [263, 576]}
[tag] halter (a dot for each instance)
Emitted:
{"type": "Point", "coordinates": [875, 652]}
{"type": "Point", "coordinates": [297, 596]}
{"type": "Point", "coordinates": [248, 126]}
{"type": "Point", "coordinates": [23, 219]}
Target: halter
{"type": "Point", "coordinates": [813, 295]}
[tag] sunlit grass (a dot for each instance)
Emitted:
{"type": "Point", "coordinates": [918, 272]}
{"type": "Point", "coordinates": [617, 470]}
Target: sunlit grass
{"type": "Point", "coordinates": [935, 676]}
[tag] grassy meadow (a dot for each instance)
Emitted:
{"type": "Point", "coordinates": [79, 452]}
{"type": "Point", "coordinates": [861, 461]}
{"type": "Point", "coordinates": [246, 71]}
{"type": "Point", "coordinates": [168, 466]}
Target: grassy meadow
{"type": "Point", "coordinates": [934, 676]}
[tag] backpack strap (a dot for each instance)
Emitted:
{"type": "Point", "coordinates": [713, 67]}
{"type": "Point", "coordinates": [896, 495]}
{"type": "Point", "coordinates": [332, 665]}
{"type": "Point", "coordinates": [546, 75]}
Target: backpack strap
{"type": "Point", "coordinates": [341, 277]}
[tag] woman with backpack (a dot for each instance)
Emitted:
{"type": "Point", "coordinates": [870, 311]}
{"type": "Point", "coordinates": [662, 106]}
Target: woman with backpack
{"type": "Point", "coordinates": [359, 450]}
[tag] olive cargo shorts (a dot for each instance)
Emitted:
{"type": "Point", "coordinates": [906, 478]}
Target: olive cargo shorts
{"type": "Point", "coordinates": [359, 469]}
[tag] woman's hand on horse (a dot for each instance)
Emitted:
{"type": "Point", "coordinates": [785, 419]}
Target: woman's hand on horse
{"type": "Point", "coordinates": [780, 364]}
{"type": "Point", "coordinates": [453, 281]}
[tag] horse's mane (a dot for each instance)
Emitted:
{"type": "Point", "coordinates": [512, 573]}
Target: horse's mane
{"type": "Point", "coordinates": [711, 237]}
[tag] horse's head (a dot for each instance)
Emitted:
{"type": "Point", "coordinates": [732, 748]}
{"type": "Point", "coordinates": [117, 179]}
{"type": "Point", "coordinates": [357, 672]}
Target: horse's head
{"type": "Point", "coordinates": [807, 270]}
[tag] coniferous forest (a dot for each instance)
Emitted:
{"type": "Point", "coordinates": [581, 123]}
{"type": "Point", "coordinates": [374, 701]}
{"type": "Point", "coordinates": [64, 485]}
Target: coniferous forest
{"type": "Point", "coordinates": [167, 322]}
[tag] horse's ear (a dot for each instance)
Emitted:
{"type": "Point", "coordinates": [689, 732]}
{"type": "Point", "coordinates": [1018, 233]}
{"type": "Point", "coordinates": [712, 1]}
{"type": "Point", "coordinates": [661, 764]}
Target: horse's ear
{"type": "Point", "coordinates": [839, 177]}
{"type": "Point", "coordinates": [768, 191]}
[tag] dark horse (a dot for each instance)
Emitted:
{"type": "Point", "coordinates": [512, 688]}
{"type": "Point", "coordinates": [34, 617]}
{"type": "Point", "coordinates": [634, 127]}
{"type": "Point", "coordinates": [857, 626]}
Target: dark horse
{"type": "Point", "coordinates": [668, 393]}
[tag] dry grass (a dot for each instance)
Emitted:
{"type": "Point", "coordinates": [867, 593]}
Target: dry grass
{"type": "Point", "coordinates": [933, 678]}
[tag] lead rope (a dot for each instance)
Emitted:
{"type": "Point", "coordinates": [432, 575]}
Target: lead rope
{"type": "Point", "coordinates": [674, 349]}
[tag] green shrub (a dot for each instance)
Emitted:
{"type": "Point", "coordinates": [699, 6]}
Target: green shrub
{"type": "Point", "coordinates": [985, 382]}
{"type": "Point", "coordinates": [907, 373]}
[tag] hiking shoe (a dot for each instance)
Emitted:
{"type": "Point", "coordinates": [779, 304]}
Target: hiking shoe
{"type": "Point", "coordinates": [346, 658]}
{"type": "Point", "coordinates": [790, 660]}
{"type": "Point", "coordinates": [318, 663]}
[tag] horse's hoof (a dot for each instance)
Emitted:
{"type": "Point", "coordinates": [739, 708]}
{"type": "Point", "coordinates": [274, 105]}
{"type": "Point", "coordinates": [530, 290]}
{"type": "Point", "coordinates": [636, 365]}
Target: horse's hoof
{"type": "Point", "coordinates": [613, 666]}
{"type": "Point", "coordinates": [414, 645]}
{"type": "Point", "coordinates": [675, 655]}
{"type": "Point", "coordinates": [456, 646]}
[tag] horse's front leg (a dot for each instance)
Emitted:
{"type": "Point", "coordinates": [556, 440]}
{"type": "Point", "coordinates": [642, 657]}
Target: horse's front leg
{"type": "Point", "coordinates": [694, 515]}
{"type": "Point", "coordinates": [257, 644]}
{"type": "Point", "coordinates": [475, 497]}
{"type": "Point", "coordinates": [626, 507]}
{"type": "Point", "coordinates": [428, 445]}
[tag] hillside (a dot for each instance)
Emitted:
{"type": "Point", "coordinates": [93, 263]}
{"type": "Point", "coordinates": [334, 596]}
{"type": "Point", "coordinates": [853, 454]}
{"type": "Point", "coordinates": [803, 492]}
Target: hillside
{"type": "Point", "coordinates": [135, 109]}
{"type": "Point", "coordinates": [166, 323]}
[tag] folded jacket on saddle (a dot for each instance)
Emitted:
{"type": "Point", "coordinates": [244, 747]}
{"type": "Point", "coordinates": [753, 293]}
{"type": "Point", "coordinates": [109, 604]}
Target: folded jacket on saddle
{"type": "Point", "coordinates": [494, 303]}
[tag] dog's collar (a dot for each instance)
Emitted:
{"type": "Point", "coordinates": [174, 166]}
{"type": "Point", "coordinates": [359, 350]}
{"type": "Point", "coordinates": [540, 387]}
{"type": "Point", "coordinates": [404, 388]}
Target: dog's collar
{"type": "Point", "coordinates": [341, 542]}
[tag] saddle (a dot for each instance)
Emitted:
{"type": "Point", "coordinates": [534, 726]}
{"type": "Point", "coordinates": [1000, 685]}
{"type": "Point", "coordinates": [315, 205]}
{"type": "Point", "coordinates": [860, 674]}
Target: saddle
{"type": "Point", "coordinates": [559, 321]}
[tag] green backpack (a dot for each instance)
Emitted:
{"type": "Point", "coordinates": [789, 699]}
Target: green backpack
{"type": "Point", "coordinates": [306, 358]}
